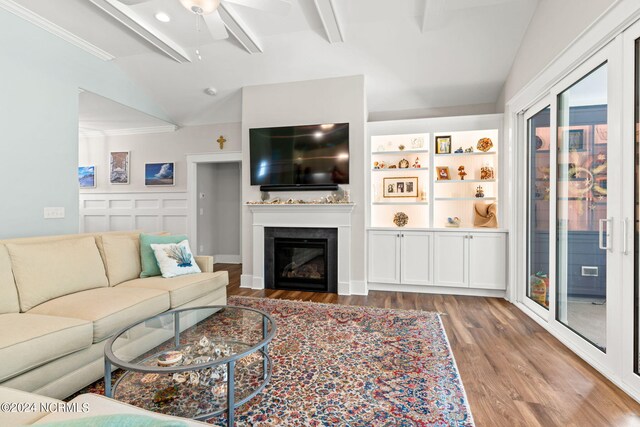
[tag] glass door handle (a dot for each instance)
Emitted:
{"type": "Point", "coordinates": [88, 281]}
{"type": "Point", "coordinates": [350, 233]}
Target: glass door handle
{"type": "Point", "coordinates": [603, 238]}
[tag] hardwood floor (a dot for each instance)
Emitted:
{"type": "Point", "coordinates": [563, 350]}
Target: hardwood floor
{"type": "Point", "coordinates": [515, 373]}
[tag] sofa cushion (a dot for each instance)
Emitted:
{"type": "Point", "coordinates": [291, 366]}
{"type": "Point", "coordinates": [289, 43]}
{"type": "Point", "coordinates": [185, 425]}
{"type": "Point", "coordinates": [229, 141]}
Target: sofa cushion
{"type": "Point", "coordinates": [31, 340]}
{"type": "Point", "coordinates": [47, 270]}
{"type": "Point", "coordinates": [8, 292]}
{"type": "Point", "coordinates": [183, 289]}
{"type": "Point", "coordinates": [110, 309]}
{"type": "Point", "coordinates": [147, 258]}
{"type": "Point", "coordinates": [122, 257]}
{"type": "Point", "coordinates": [15, 418]}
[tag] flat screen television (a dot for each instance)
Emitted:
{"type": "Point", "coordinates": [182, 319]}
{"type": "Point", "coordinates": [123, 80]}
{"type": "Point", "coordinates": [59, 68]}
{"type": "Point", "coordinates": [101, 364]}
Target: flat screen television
{"type": "Point", "coordinates": [300, 156]}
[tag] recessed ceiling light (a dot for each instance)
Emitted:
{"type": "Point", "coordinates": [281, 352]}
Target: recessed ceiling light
{"type": "Point", "coordinates": [211, 91]}
{"type": "Point", "coordinates": [162, 17]}
{"type": "Point", "coordinates": [318, 134]}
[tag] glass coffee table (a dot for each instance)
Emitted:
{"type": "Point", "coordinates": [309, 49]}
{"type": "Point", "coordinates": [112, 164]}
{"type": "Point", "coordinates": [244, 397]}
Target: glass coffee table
{"type": "Point", "coordinates": [193, 363]}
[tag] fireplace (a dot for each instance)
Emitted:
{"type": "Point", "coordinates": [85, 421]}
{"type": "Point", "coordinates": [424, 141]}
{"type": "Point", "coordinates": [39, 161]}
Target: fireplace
{"type": "Point", "coordinates": [303, 259]}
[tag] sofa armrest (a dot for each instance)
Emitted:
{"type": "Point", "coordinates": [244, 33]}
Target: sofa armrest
{"type": "Point", "coordinates": [25, 417]}
{"type": "Point", "coordinates": [205, 263]}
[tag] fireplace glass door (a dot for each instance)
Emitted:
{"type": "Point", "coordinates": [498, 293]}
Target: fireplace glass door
{"type": "Point", "coordinates": [300, 264]}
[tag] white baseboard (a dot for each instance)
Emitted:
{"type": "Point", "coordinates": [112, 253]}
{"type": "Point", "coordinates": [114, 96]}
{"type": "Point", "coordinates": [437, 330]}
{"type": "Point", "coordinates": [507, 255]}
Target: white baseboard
{"type": "Point", "coordinates": [258, 283]}
{"type": "Point", "coordinates": [359, 287]}
{"type": "Point", "coordinates": [246, 281]}
{"type": "Point", "coordinates": [443, 290]}
{"type": "Point", "coordinates": [227, 259]}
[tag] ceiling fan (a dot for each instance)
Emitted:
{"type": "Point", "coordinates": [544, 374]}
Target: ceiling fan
{"type": "Point", "coordinates": [208, 10]}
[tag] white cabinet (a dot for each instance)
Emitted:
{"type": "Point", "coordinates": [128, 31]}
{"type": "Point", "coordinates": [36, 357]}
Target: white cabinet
{"type": "Point", "coordinates": [470, 260]}
{"type": "Point", "coordinates": [400, 257]}
{"type": "Point", "coordinates": [450, 259]}
{"type": "Point", "coordinates": [488, 261]}
{"type": "Point", "coordinates": [416, 250]}
{"type": "Point", "coordinates": [384, 256]}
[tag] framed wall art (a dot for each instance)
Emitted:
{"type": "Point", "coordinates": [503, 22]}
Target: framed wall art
{"type": "Point", "coordinates": [119, 167]}
{"type": "Point", "coordinates": [159, 174]}
{"type": "Point", "coordinates": [87, 176]}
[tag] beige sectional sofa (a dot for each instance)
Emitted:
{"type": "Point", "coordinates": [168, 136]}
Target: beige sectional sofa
{"type": "Point", "coordinates": [61, 297]}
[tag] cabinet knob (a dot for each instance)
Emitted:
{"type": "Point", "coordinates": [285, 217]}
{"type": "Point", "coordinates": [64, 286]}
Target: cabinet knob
{"type": "Point", "coordinates": [397, 235]}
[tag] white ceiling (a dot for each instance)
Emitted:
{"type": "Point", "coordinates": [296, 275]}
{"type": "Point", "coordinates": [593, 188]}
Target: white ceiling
{"type": "Point", "coordinates": [462, 58]}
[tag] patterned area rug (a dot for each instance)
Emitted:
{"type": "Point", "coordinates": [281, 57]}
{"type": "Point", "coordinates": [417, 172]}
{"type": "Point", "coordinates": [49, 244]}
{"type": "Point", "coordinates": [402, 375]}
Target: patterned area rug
{"type": "Point", "coordinates": [337, 365]}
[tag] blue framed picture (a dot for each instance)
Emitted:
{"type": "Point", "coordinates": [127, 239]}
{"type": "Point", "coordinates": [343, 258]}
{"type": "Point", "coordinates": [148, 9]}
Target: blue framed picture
{"type": "Point", "coordinates": [159, 174]}
{"type": "Point", "coordinates": [87, 176]}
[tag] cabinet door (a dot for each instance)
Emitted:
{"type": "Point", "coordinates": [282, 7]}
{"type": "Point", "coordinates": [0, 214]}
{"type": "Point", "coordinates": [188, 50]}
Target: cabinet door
{"type": "Point", "coordinates": [450, 260]}
{"type": "Point", "coordinates": [488, 261]}
{"type": "Point", "coordinates": [416, 257]}
{"type": "Point", "coordinates": [384, 257]}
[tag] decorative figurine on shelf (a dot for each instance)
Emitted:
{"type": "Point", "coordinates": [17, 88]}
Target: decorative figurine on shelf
{"type": "Point", "coordinates": [485, 144]}
{"type": "Point", "coordinates": [403, 164]}
{"type": "Point", "coordinates": [453, 222]}
{"type": "Point", "coordinates": [461, 173]}
{"type": "Point", "coordinates": [416, 164]}
{"type": "Point", "coordinates": [382, 164]}
{"type": "Point", "coordinates": [401, 147]}
{"type": "Point", "coordinates": [459, 150]}
{"type": "Point", "coordinates": [376, 165]}
{"type": "Point", "coordinates": [380, 147]}
{"type": "Point", "coordinates": [417, 143]}
{"type": "Point", "coordinates": [479, 192]}
{"type": "Point", "coordinates": [469, 150]}
{"type": "Point", "coordinates": [400, 219]}
{"type": "Point", "coordinates": [486, 172]}
{"type": "Point", "coordinates": [392, 166]}
{"type": "Point", "coordinates": [423, 195]}
{"type": "Point", "coordinates": [221, 141]}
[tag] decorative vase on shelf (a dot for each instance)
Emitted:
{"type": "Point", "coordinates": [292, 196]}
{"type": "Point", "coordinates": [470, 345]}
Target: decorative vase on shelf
{"type": "Point", "coordinates": [400, 219]}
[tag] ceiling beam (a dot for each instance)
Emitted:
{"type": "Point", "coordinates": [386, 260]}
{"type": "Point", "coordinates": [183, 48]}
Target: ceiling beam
{"type": "Point", "coordinates": [239, 29]}
{"type": "Point", "coordinates": [127, 17]}
{"type": "Point", "coordinates": [331, 21]}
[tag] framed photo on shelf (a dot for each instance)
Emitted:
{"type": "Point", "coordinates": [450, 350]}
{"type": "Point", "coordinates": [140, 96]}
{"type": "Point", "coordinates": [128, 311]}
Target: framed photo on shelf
{"type": "Point", "coordinates": [159, 174]}
{"type": "Point", "coordinates": [119, 167]}
{"type": "Point", "coordinates": [443, 173]}
{"type": "Point", "coordinates": [400, 187]}
{"type": "Point", "coordinates": [443, 144]}
{"type": "Point", "coordinates": [575, 140]}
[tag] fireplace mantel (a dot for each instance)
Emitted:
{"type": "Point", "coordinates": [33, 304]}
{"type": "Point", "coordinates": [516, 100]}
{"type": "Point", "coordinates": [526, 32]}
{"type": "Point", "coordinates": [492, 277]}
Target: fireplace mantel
{"type": "Point", "coordinates": [307, 215]}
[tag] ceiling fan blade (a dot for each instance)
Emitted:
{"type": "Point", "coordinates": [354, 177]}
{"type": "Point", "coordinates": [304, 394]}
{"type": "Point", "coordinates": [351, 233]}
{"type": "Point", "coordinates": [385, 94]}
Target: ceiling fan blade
{"type": "Point", "coordinates": [132, 2]}
{"type": "Point", "coordinates": [281, 7]}
{"type": "Point", "coordinates": [216, 25]}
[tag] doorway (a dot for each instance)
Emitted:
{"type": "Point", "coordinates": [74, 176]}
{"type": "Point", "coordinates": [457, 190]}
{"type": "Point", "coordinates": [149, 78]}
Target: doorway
{"type": "Point", "coordinates": [219, 211]}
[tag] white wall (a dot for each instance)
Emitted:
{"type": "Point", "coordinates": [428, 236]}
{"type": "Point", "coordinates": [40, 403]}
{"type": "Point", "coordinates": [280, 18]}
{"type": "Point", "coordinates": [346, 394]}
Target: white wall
{"type": "Point", "coordinates": [336, 100]}
{"type": "Point", "coordinates": [219, 220]}
{"type": "Point", "coordinates": [155, 147]}
{"type": "Point", "coordinates": [41, 75]}
{"type": "Point", "coordinates": [553, 27]}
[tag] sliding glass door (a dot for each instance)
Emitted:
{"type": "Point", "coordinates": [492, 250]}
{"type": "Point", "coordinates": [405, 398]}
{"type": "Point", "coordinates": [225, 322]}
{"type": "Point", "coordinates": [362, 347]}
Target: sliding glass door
{"type": "Point", "coordinates": [574, 249]}
{"type": "Point", "coordinates": [583, 223]}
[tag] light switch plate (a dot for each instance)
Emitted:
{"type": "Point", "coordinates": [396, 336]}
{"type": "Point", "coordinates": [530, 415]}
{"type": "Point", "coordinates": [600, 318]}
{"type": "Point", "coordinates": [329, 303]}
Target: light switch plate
{"type": "Point", "coordinates": [53, 212]}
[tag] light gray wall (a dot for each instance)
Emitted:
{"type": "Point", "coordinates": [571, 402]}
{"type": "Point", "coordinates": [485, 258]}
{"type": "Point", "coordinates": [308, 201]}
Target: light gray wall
{"type": "Point", "coordinates": [336, 100]}
{"type": "Point", "coordinates": [157, 147]}
{"type": "Point", "coordinates": [219, 224]}
{"type": "Point", "coordinates": [41, 75]}
{"type": "Point", "coordinates": [553, 27]}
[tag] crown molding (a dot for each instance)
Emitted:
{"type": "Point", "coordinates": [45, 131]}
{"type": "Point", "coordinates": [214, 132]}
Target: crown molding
{"type": "Point", "coordinates": [56, 30]}
{"type": "Point", "coordinates": [131, 131]}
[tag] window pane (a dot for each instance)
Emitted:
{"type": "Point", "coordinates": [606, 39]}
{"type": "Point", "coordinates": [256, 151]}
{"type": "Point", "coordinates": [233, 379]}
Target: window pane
{"type": "Point", "coordinates": [582, 207]}
{"type": "Point", "coordinates": [539, 203]}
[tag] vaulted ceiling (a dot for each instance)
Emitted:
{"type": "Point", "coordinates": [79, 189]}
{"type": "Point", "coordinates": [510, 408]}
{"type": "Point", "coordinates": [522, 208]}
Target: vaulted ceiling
{"type": "Point", "coordinates": [415, 54]}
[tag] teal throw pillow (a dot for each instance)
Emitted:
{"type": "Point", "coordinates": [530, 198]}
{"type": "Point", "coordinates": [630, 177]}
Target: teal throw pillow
{"type": "Point", "coordinates": [119, 420]}
{"type": "Point", "coordinates": [147, 257]}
